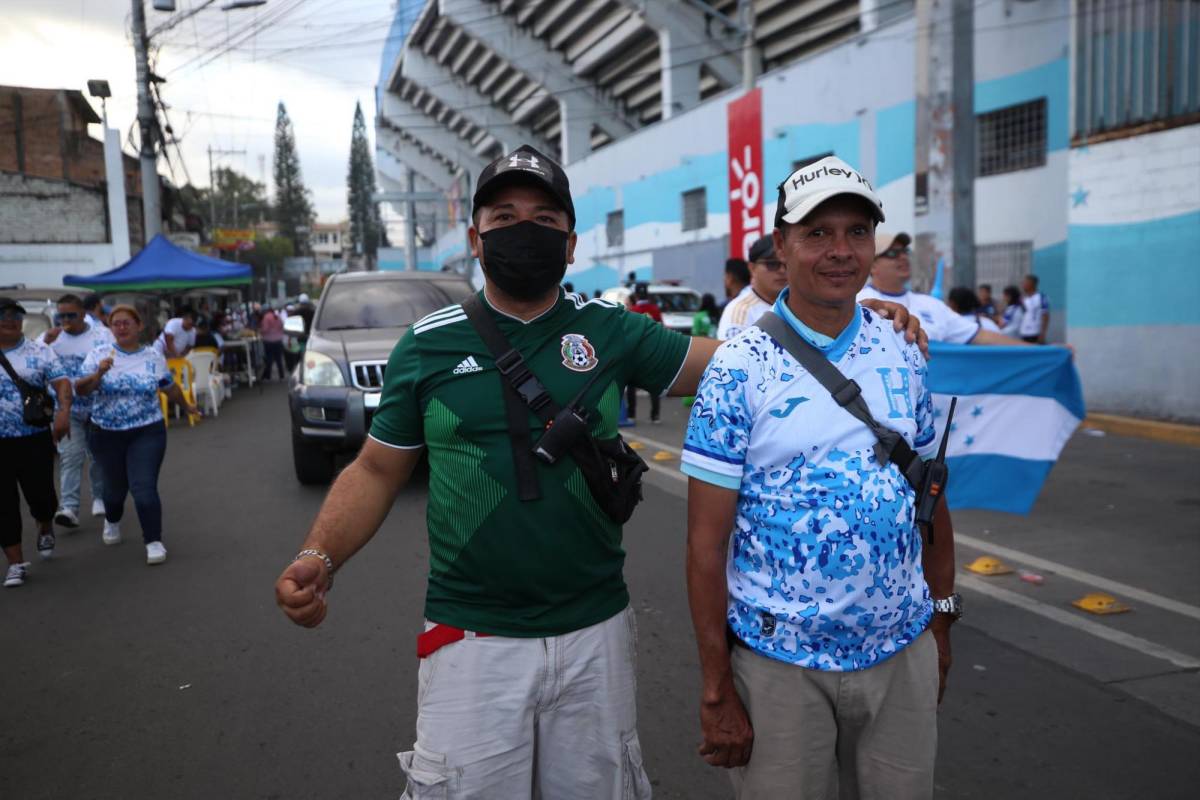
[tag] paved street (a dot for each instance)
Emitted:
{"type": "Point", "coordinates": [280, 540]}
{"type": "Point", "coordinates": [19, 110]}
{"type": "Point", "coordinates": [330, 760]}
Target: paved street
{"type": "Point", "coordinates": [184, 681]}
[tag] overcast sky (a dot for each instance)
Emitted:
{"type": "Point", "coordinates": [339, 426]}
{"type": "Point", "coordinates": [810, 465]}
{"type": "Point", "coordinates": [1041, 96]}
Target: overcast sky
{"type": "Point", "coordinates": [317, 56]}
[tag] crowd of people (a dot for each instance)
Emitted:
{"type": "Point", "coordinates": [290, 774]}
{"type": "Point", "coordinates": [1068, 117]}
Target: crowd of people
{"type": "Point", "coordinates": [100, 375]}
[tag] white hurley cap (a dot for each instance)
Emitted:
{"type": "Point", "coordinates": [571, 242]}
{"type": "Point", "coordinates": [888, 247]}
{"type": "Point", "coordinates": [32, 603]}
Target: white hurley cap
{"type": "Point", "coordinates": [811, 185]}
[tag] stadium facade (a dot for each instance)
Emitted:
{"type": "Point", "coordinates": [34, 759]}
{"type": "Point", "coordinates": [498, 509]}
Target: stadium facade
{"type": "Point", "coordinates": [1088, 145]}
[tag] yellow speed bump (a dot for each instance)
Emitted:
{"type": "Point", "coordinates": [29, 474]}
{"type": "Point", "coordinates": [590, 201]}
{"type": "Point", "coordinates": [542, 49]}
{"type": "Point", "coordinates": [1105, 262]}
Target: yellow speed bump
{"type": "Point", "coordinates": [989, 565]}
{"type": "Point", "coordinates": [663, 455]}
{"type": "Point", "coordinates": [634, 444]}
{"type": "Point", "coordinates": [1100, 603]}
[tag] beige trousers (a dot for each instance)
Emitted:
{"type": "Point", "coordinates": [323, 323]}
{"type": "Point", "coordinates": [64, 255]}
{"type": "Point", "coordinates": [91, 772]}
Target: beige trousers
{"type": "Point", "coordinates": [869, 734]}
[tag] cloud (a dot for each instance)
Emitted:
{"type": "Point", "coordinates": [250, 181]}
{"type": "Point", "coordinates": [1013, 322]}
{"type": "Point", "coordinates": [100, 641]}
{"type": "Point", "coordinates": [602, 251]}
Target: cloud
{"type": "Point", "coordinates": [228, 104]}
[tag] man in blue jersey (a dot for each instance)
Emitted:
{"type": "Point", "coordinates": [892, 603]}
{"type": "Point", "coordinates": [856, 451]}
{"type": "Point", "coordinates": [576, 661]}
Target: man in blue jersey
{"type": "Point", "coordinates": [73, 336]}
{"type": "Point", "coordinates": [823, 627]}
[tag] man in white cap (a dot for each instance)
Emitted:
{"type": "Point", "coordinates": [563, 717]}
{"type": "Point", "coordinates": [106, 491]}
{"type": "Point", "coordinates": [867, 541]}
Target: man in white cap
{"type": "Point", "coordinates": [823, 627]}
{"type": "Point", "coordinates": [767, 279]}
{"type": "Point", "coordinates": [890, 274]}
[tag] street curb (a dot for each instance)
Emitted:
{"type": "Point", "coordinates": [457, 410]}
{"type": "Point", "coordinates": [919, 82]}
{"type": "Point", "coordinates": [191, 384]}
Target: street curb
{"type": "Point", "coordinates": [1171, 432]}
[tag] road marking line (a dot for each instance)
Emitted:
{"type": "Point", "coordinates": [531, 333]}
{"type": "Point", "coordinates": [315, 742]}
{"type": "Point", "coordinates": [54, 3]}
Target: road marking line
{"type": "Point", "coordinates": [1126, 591]}
{"type": "Point", "coordinates": [654, 443]}
{"type": "Point", "coordinates": [1065, 617]}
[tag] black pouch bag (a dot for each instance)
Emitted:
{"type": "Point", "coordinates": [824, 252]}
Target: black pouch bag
{"type": "Point", "coordinates": [613, 471]}
{"type": "Point", "coordinates": [37, 406]}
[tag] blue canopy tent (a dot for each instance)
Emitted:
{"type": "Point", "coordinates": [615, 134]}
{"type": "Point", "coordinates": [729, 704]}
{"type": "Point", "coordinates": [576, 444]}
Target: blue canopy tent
{"type": "Point", "coordinates": [163, 266]}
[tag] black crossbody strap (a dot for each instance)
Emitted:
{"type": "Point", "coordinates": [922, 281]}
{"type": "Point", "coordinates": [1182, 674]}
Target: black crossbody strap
{"type": "Point", "coordinates": [25, 386]}
{"type": "Point", "coordinates": [890, 445]}
{"type": "Point", "coordinates": [523, 392]}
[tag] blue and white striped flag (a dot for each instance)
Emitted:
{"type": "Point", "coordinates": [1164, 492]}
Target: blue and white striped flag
{"type": "Point", "coordinates": [1017, 407]}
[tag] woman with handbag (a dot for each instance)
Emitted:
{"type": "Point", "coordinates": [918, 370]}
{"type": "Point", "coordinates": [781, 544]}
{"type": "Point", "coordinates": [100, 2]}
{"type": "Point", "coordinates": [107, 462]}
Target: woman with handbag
{"type": "Point", "coordinates": [29, 430]}
{"type": "Point", "coordinates": [127, 435]}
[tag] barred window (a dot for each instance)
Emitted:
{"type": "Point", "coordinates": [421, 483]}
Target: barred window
{"type": "Point", "coordinates": [1013, 138]}
{"type": "Point", "coordinates": [695, 209]}
{"type": "Point", "coordinates": [1003, 264]}
{"type": "Point", "coordinates": [615, 229]}
{"type": "Point", "coordinates": [1136, 62]}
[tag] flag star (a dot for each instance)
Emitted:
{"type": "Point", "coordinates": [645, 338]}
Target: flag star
{"type": "Point", "coordinates": [970, 440]}
{"type": "Point", "coordinates": [953, 427]}
{"type": "Point", "coordinates": [976, 411]}
{"type": "Point", "coordinates": [937, 413]}
{"type": "Point", "coordinates": [1079, 197]}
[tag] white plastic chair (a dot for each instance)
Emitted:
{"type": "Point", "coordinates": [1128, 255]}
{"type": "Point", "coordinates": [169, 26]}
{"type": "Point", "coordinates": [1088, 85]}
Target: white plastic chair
{"type": "Point", "coordinates": [210, 383]}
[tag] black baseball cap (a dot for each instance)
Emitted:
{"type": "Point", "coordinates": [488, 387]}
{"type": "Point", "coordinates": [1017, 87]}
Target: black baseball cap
{"type": "Point", "coordinates": [7, 302]}
{"type": "Point", "coordinates": [763, 249]}
{"type": "Point", "coordinates": [528, 166]}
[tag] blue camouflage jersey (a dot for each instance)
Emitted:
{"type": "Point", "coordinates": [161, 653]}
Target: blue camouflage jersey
{"type": "Point", "coordinates": [71, 351]}
{"type": "Point", "coordinates": [824, 567]}
{"type": "Point", "coordinates": [128, 393]}
{"type": "Point", "coordinates": [38, 366]}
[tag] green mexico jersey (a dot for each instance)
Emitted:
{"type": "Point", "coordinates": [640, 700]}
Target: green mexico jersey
{"type": "Point", "coordinates": [499, 565]}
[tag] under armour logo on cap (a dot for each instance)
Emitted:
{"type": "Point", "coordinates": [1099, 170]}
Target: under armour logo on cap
{"type": "Point", "coordinates": [525, 164]}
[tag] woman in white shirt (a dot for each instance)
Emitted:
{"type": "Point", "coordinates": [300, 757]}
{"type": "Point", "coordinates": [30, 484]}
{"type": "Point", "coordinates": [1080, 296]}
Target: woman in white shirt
{"type": "Point", "coordinates": [1013, 311]}
{"type": "Point", "coordinates": [127, 435]}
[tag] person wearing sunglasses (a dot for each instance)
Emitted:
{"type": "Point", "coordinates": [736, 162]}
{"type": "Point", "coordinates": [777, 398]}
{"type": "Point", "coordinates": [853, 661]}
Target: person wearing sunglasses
{"type": "Point", "coordinates": [890, 274]}
{"type": "Point", "coordinates": [767, 279]}
{"type": "Point", "coordinates": [27, 451]}
{"type": "Point", "coordinates": [72, 338]}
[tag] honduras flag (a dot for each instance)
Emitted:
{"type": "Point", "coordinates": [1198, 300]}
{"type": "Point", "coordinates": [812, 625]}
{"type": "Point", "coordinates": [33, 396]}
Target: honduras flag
{"type": "Point", "coordinates": [1017, 406]}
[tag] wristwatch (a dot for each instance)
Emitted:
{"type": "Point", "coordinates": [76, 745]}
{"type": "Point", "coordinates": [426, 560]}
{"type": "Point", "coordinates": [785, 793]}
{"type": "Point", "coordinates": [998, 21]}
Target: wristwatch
{"type": "Point", "coordinates": [952, 605]}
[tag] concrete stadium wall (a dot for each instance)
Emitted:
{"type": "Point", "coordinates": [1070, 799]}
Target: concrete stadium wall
{"type": "Point", "coordinates": [857, 101]}
{"type": "Point", "coordinates": [1133, 273]}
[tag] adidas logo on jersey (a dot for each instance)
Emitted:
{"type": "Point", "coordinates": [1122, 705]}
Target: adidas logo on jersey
{"type": "Point", "coordinates": [467, 365]}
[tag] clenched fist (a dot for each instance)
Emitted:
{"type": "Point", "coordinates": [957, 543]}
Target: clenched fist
{"type": "Point", "coordinates": [300, 591]}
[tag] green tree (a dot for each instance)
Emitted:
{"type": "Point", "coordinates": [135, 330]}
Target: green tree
{"type": "Point", "coordinates": [293, 202]}
{"type": "Point", "coordinates": [365, 224]}
{"type": "Point", "coordinates": [266, 260]}
{"type": "Point", "coordinates": [237, 200]}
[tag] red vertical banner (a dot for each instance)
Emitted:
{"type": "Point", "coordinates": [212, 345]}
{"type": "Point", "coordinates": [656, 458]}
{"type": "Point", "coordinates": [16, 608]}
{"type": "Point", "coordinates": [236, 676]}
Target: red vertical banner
{"type": "Point", "coordinates": [745, 172]}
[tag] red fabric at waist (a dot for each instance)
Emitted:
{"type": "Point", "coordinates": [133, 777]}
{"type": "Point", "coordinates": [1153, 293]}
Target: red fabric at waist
{"type": "Point", "coordinates": [439, 636]}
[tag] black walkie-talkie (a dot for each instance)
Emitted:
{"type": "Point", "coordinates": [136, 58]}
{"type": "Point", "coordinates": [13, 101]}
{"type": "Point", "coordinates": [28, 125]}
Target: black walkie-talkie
{"type": "Point", "coordinates": [937, 474]}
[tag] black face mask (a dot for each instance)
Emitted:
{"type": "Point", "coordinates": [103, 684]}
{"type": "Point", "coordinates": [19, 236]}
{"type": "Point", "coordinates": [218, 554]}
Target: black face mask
{"type": "Point", "coordinates": [525, 260]}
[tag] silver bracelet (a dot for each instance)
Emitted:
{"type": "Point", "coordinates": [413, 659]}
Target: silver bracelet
{"type": "Point", "coordinates": [324, 557]}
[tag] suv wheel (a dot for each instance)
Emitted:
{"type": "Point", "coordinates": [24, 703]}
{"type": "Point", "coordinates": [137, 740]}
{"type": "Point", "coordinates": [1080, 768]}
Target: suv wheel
{"type": "Point", "coordinates": [314, 465]}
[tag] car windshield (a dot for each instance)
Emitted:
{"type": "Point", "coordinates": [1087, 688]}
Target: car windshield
{"type": "Point", "coordinates": [34, 325]}
{"type": "Point", "coordinates": [677, 301]}
{"type": "Point", "coordinates": [385, 303]}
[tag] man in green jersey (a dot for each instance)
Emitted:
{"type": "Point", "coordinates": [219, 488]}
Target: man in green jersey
{"type": "Point", "coordinates": [527, 679]}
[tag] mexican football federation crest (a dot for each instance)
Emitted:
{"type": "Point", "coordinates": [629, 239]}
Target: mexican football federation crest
{"type": "Point", "coordinates": [578, 353]}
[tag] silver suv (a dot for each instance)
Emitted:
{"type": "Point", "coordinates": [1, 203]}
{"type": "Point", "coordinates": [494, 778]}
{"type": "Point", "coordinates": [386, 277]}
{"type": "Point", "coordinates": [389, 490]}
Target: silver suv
{"type": "Point", "coordinates": [337, 385]}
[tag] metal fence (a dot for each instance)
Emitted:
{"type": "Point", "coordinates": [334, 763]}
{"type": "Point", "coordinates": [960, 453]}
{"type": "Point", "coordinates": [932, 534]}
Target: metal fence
{"type": "Point", "coordinates": [1136, 62]}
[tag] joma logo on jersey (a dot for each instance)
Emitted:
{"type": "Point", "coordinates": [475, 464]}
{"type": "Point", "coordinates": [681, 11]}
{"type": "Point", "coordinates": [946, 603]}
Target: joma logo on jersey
{"type": "Point", "coordinates": [788, 407]}
{"type": "Point", "coordinates": [578, 353]}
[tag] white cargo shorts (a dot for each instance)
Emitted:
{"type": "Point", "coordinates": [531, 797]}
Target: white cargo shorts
{"type": "Point", "coordinates": [555, 718]}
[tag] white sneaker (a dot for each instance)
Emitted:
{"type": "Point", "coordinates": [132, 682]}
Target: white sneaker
{"type": "Point", "coordinates": [97, 508]}
{"type": "Point", "coordinates": [16, 575]}
{"type": "Point", "coordinates": [67, 518]}
{"type": "Point", "coordinates": [155, 553]}
{"type": "Point", "coordinates": [112, 533]}
{"type": "Point", "coordinates": [45, 545]}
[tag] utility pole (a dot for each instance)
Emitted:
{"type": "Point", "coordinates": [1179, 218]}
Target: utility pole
{"type": "Point", "coordinates": [151, 216]}
{"type": "Point", "coordinates": [750, 62]}
{"type": "Point", "coordinates": [410, 231]}
{"type": "Point", "coordinates": [945, 151]}
{"type": "Point", "coordinates": [212, 184]}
